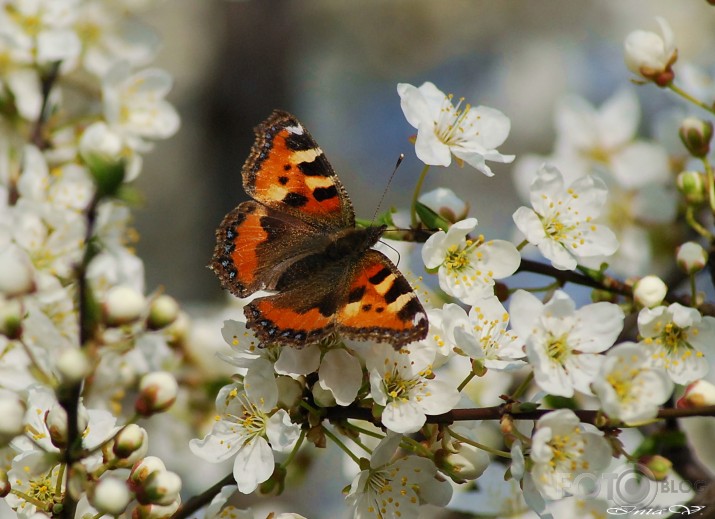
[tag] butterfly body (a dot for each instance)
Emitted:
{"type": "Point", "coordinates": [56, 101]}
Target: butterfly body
{"type": "Point", "coordinates": [298, 238]}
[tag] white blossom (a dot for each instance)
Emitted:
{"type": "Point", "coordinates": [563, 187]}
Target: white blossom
{"type": "Point", "coordinates": [471, 134]}
{"type": "Point", "coordinates": [134, 104]}
{"type": "Point", "coordinates": [249, 427]}
{"type": "Point", "coordinates": [677, 338]}
{"type": "Point", "coordinates": [468, 267]}
{"type": "Point", "coordinates": [561, 221]}
{"type": "Point", "coordinates": [404, 384]}
{"type": "Point", "coordinates": [483, 334]}
{"type": "Point", "coordinates": [394, 485]}
{"type": "Point", "coordinates": [561, 449]}
{"type": "Point", "coordinates": [563, 343]}
{"type": "Point", "coordinates": [629, 387]}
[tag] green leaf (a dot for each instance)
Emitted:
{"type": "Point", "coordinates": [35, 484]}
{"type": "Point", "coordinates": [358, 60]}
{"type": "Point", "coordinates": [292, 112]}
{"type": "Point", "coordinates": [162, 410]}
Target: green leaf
{"type": "Point", "coordinates": [108, 176]}
{"type": "Point", "coordinates": [559, 402]}
{"type": "Point", "coordinates": [430, 218]}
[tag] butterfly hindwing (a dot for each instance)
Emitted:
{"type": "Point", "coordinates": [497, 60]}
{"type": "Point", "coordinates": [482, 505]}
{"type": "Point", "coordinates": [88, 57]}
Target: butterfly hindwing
{"type": "Point", "coordinates": [366, 300]}
{"type": "Point", "coordinates": [287, 171]}
{"type": "Point", "coordinates": [305, 308]}
{"type": "Point", "coordinates": [381, 304]}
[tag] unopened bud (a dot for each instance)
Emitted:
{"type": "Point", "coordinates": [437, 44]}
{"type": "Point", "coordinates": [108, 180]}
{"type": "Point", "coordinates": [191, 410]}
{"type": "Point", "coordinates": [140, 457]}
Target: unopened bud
{"type": "Point", "coordinates": [696, 134]}
{"type": "Point", "coordinates": [446, 203]}
{"type": "Point", "coordinates": [162, 487]}
{"type": "Point", "coordinates": [110, 496]}
{"type": "Point", "coordinates": [73, 365]}
{"type": "Point", "coordinates": [12, 411]}
{"type": "Point", "coordinates": [11, 314]}
{"type": "Point", "coordinates": [691, 257]}
{"type": "Point", "coordinates": [143, 469]}
{"type": "Point", "coordinates": [274, 485]}
{"type": "Point", "coordinates": [464, 463]}
{"type": "Point", "coordinates": [656, 467]}
{"type": "Point", "coordinates": [649, 291]}
{"type": "Point", "coordinates": [323, 397]}
{"type": "Point", "coordinates": [5, 486]}
{"type": "Point", "coordinates": [651, 55]}
{"type": "Point", "coordinates": [163, 311]}
{"type": "Point", "coordinates": [101, 150]}
{"type": "Point", "coordinates": [290, 392]}
{"type": "Point", "coordinates": [16, 274]}
{"type": "Point", "coordinates": [122, 305]}
{"type": "Point", "coordinates": [156, 511]}
{"type": "Point", "coordinates": [157, 392]}
{"type": "Point", "coordinates": [177, 332]}
{"type": "Point", "coordinates": [56, 422]}
{"type": "Point", "coordinates": [700, 393]}
{"type": "Point", "coordinates": [126, 448]}
{"type": "Point", "coordinates": [692, 186]}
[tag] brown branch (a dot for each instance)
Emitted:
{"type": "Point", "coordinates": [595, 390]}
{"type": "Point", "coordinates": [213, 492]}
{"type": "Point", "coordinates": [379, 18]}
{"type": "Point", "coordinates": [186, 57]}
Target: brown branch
{"type": "Point", "coordinates": [497, 412]}
{"type": "Point", "coordinates": [202, 499]}
{"type": "Point", "coordinates": [571, 276]}
{"type": "Point", "coordinates": [69, 396]}
{"type": "Point", "coordinates": [48, 80]}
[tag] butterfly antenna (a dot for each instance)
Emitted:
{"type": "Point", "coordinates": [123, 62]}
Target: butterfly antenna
{"type": "Point", "coordinates": [393, 248]}
{"type": "Point", "coordinates": [387, 187]}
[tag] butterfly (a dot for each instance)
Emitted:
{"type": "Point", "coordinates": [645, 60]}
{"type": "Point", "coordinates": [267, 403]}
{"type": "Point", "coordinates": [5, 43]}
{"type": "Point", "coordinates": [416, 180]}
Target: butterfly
{"type": "Point", "coordinates": [298, 238]}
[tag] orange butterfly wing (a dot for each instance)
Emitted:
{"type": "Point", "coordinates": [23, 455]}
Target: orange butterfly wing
{"type": "Point", "coordinates": [298, 238]}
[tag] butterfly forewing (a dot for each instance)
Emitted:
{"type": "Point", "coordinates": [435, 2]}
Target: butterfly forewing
{"type": "Point", "coordinates": [288, 172]}
{"type": "Point", "coordinates": [255, 246]}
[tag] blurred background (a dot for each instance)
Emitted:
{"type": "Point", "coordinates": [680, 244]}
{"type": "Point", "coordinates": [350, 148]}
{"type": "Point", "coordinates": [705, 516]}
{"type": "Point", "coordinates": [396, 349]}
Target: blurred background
{"type": "Point", "coordinates": [336, 64]}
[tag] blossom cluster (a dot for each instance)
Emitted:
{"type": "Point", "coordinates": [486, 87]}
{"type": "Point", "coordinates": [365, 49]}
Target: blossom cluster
{"type": "Point", "coordinates": [85, 352]}
{"type": "Point", "coordinates": [590, 207]}
{"type": "Point", "coordinates": [79, 336]}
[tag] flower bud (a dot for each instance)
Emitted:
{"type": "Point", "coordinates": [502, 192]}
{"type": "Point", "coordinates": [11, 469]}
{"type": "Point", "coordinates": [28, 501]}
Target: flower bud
{"type": "Point", "coordinates": [73, 365]}
{"type": "Point", "coordinates": [110, 496]}
{"type": "Point", "coordinates": [157, 392]}
{"type": "Point", "coordinates": [466, 463]}
{"type": "Point", "coordinates": [274, 485]}
{"type": "Point", "coordinates": [56, 422]}
{"type": "Point", "coordinates": [649, 291]}
{"type": "Point", "coordinates": [101, 149]}
{"type": "Point", "coordinates": [692, 186]}
{"type": "Point", "coordinates": [700, 393]}
{"type": "Point", "coordinates": [162, 487]}
{"type": "Point", "coordinates": [11, 314]}
{"type": "Point", "coordinates": [290, 392]}
{"type": "Point", "coordinates": [177, 332]}
{"type": "Point", "coordinates": [17, 276]}
{"type": "Point", "coordinates": [650, 55]}
{"type": "Point", "coordinates": [691, 257]}
{"type": "Point", "coordinates": [163, 311]}
{"type": "Point", "coordinates": [446, 203]}
{"type": "Point", "coordinates": [122, 305]}
{"type": "Point", "coordinates": [12, 411]}
{"type": "Point", "coordinates": [323, 397]}
{"type": "Point", "coordinates": [156, 511]}
{"type": "Point", "coordinates": [655, 467]}
{"type": "Point", "coordinates": [5, 486]}
{"type": "Point", "coordinates": [142, 470]}
{"type": "Point", "coordinates": [696, 135]}
{"type": "Point", "coordinates": [126, 448]}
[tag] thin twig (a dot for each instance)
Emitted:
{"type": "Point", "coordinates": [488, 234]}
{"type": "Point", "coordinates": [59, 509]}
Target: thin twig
{"type": "Point", "coordinates": [202, 499]}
